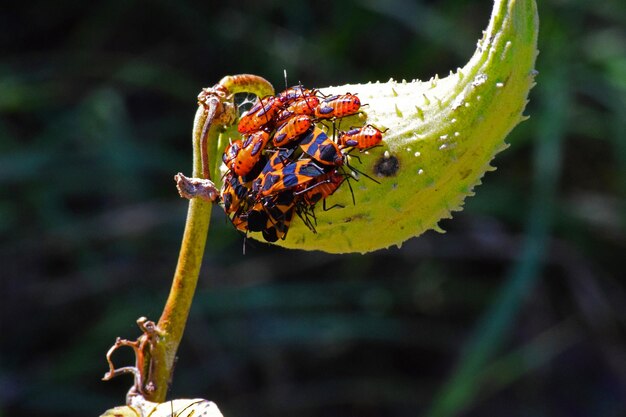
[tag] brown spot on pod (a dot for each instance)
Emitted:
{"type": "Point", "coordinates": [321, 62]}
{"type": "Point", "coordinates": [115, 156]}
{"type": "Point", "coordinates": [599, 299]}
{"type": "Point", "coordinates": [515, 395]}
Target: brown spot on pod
{"type": "Point", "coordinates": [387, 166]}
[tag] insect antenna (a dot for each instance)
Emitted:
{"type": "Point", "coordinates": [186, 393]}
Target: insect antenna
{"type": "Point", "coordinates": [285, 74]}
{"type": "Point", "coordinates": [347, 179]}
{"type": "Point", "coordinates": [359, 171]}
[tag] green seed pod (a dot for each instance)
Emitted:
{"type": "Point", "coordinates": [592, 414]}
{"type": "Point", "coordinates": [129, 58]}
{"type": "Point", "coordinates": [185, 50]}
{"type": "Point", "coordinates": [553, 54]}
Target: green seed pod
{"type": "Point", "coordinates": [442, 135]}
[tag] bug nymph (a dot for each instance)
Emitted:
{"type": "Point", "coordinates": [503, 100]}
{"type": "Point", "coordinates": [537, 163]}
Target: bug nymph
{"type": "Point", "coordinates": [361, 138]}
{"type": "Point", "coordinates": [261, 114]}
{"type": "Point", "coordinates": [338, 106]}
{"type": "Point", "coordinates": [291, 129]}
{"type": "Point", "coordinates": [250, 152]}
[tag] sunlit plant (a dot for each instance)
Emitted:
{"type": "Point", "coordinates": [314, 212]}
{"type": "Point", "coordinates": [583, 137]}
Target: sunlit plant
{"type": "Point", "coordinates": [440, 138]}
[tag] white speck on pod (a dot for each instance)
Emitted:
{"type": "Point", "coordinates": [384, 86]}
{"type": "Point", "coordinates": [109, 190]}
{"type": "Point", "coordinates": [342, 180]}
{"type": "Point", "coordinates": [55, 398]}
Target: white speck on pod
{"type": "Point", "coordinates": [479, 80]}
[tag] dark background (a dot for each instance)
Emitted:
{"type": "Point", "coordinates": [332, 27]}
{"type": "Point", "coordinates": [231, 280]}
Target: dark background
{"type": "Point", "coordinates": [518, 310]}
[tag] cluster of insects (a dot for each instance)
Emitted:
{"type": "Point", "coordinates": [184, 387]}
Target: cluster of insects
{"type": "Point", "coordinates": [288, 160]}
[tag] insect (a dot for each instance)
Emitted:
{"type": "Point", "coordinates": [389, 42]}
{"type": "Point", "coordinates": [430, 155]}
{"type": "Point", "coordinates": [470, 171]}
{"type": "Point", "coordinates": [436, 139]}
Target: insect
{"type": "Point", "coordinates": [320, 188]}
{"type": "Point", "coordinates": [291, 129]}
{"type": "Point", "coordinates": [361, 138]}
{"type": "Point", "coordinates": [318, 146]}
{"type": "Point", "coordinates": [240, 221]}
{"type": "Point", "coordinates": [338, 106]}
{"type": "Point", "coordinates": [234, 192]}
{"type": "Point", "coordinates": [259, 115]}
{"type": "Point", "coordinates": [231, 151]}
{"type": "Point", "coordinates": [276, 162]}
{"type": "Point", "coordinates": [250, 152]}
{"type": "Point", "coordinates": [272, 216]}
{"type": "Point", "coordinates": [301, 106]}
{"type": "Point", "coordinates": [275, 230]}
{"type": "Point", "coordinates": [291, 94]}
{"type": "Point", "coordinates": [279, 158]}
{"type": "Point", "coordinates": [291, 175]}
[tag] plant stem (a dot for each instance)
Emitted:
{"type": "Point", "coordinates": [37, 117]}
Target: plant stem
{"type": "Point", "coordinates": [171, 325]}
{"type": "Point", "coordinates": [213, 113]}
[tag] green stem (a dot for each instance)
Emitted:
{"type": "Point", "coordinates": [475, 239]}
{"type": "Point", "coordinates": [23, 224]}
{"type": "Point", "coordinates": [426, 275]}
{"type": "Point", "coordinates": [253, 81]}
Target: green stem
{"type": "Point", "coordinates": [174, 317]}
{"type": "Point", "coordinates": [207, 124]}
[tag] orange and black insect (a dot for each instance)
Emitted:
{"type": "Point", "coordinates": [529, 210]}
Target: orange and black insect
{"type": "Point", "coordinates": [338, 106]}
{"type": "Point", "coordinates": [250, 152]}
{"type": "Point", "coordinates": [234, 193]}
{"type": "Point", "coordinates": [291, 129]}
{"type": "Point", "coordinates": [301, 106]}
{"type": "Point", "coordinates": [272, 216]}
{"type": "Point", "coordinates": [320, 147]}
{"type": "Point", "coordinates": [261, 114]}
{"type": "Point", "coordinates": [240, 222]}
{"type": "Point", "coordinates": [294, 93]}
{"type": "Point", "coordinates": [279, 159]}
{"type": "Point", "coordinates": [361, 138]}
{"type": "Point", "coordinates": [304, 105]}
{"type": "Point", "coordinates": [231, 151]}
{"type": "Point", "coordinates": [321, 187]}
{"type": "Point", "coordinates": [293, 174]}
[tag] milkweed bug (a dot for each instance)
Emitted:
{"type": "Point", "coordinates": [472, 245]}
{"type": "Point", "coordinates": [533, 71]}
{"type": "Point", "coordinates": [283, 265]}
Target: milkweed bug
{"type": "Point", "coordinates": [259, 115]}
{"type": "Point", "coordinates": [291, 94]}
{"type": "Point", "coordinates": [276, 162]}
{"type": "Point", "coordinates": [304, 105]}
{"type": "Point", "coordinates": [338, 106]}
{"type": "Point", "coordinates": [318, 146]}
{"type": "Point", "coordinates": [293, 174]}
{"type": "Point", "coordinates": [301, 106]}
{"type": "Point", "coordinates": [231, 151]}
{"type": "Point", "coordinates": [234, 192]}
{"type": "Point", "coordinates": [240, 222]}
{"type": "Point", "coordinates": [291, 129]}
{"type": "Point", "coordinates": [321, 187]}
{"type": "Point", "coordinates": [230, 199]}
{"type": "Point", "coordinates": [361, 138]}
{"type": "Point", "coordinates": [250, 152]}
{"type": "Point", "coordinates": [272, 216]}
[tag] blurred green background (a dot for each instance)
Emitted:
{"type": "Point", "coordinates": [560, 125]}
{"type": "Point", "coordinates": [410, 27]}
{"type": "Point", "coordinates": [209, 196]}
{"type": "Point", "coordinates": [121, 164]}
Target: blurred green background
{"type": "Point", "coordinates": [518, 310]}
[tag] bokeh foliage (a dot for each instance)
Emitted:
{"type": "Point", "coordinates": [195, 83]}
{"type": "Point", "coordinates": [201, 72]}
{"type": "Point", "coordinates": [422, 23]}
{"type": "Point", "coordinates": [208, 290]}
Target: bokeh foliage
{"type": "Point", "coordinates": [518, 310]}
